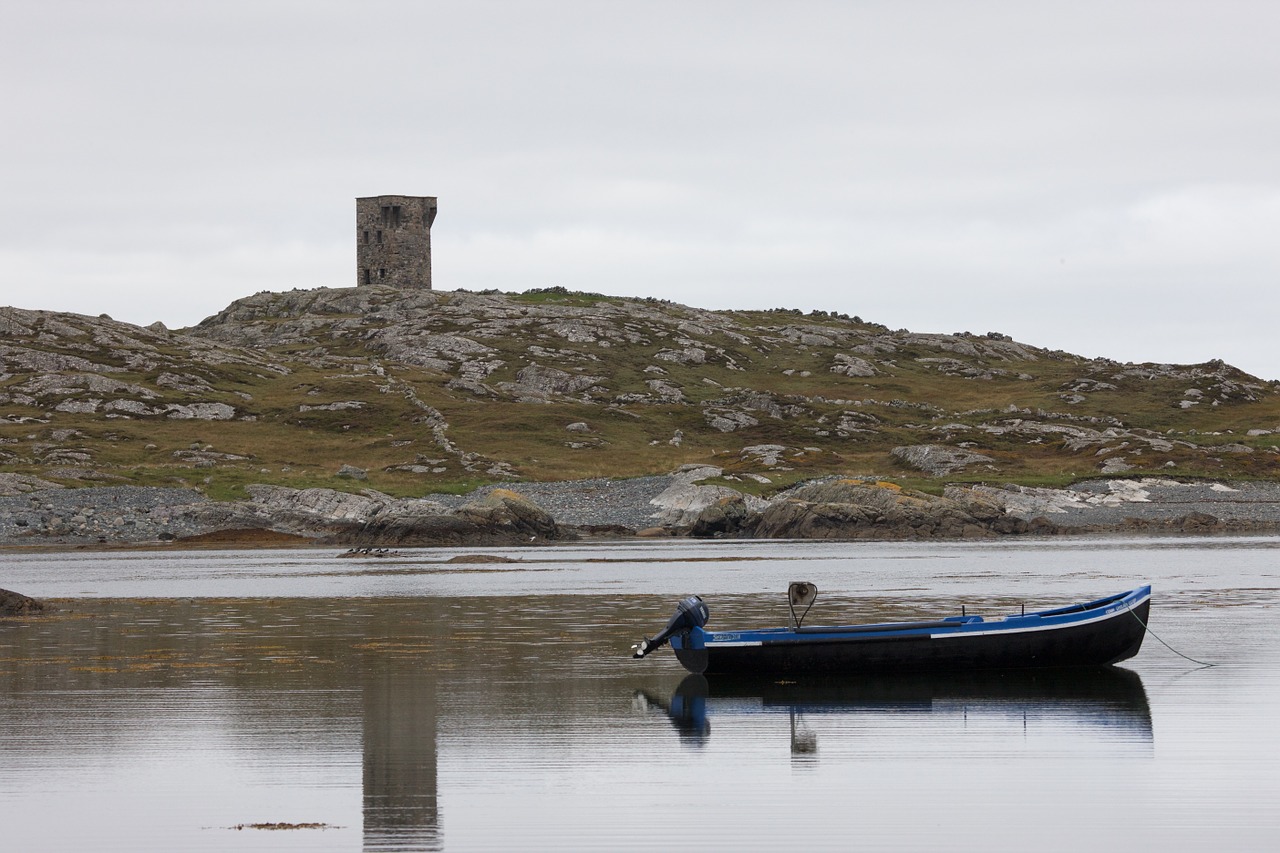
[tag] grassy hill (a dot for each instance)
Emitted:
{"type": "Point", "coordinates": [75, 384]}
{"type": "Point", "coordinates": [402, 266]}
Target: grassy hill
{"type": "Point", "coordinates": [441, 391]}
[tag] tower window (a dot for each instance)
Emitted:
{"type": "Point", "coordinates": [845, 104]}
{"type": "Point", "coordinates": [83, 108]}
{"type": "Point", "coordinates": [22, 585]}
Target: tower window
{"type": "Point", "coordinates": [366, 238]}
{"type": "Point", "coordinates": [364, 273]}
{"type": "Point", "coordinates": [391, 216]}
{"type": "Point", "coordinates": [379, 236]}
{"type": "Point", "coordinates": [382, 273]}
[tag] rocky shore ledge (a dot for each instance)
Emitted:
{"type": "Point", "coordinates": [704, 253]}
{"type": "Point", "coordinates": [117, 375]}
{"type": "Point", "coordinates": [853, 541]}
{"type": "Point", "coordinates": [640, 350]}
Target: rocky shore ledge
{"type": "Point", "coordinates": [37, 512]}
{"type": "Point", "coordinates": [17, 604]}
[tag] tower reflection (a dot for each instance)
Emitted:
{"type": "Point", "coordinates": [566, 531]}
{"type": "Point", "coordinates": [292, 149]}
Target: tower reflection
{"type": "Point", "coordinates": [400, 787]}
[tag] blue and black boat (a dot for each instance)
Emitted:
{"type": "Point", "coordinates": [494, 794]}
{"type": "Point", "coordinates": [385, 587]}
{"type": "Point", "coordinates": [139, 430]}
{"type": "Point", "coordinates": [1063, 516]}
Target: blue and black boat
{"type": "Point", "coordinates": [1095, 633]}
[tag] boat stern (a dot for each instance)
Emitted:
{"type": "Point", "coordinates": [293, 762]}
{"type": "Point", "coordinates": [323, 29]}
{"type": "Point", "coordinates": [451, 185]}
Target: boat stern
{"type": "Point", "coordinates": [691, 650]}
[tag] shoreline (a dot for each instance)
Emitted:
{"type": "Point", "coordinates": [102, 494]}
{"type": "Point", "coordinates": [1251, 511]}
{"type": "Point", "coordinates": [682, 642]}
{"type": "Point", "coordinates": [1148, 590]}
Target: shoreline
{"type": "Point", "coordinates": [666, 507]}
{"type": "Point", "coordinates": [337, 549]}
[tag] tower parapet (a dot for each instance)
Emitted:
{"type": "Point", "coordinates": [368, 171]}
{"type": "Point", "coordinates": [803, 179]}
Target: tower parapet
{"type": "Point", "coordinates": [393, 240]}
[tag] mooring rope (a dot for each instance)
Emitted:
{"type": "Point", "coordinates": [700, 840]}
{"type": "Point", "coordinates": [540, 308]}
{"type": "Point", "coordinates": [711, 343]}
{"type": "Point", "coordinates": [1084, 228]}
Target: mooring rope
{"type": "Point", "coordinates": [1147, 628]}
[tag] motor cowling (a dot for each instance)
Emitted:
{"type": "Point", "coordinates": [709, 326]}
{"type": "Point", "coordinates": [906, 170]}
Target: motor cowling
{"type": "Point", "coordinates": [690, 613]}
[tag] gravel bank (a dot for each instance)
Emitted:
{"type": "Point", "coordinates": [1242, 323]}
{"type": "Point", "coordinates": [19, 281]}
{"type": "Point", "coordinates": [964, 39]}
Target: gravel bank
{"type": "Point", "coordinates": [110, 513]}
{"type": "Point", "coordinates": [57, 516]}
{"type": "Point", "coordinates": [585, 502]}
{"type": "Point", "coordinates": [1115, 502]}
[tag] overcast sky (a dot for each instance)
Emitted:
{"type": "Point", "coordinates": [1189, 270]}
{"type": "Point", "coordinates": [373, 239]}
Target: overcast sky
{"type": "Point", "coordinates": [1101, 177]}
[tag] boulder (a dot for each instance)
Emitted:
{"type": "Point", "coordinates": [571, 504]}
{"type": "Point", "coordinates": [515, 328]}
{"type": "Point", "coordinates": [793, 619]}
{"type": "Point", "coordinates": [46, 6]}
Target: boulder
{"type": "Point", "coordinates": [851, 365]}
{"type": "Point", "coordinates": [665, 391]}
{"type": "Point", "coordinates": [680, 503]}
{"type": "Point", "coordinates": [504, 512]}
{"type": "Point", "coordinates": [201, 412]}
{"type": "Point", "coordinates": [539, 383]}
{"type": "Point", "coordinates": [727, 516]}
{"type": "Point", "coordinates": [16, 604]}
{"type": "Point", "coordinates": [768, 455]}
{"type": "Point", "coordinates": [725, 420]}
{"type": "Point", "coordinates": [937, 460]}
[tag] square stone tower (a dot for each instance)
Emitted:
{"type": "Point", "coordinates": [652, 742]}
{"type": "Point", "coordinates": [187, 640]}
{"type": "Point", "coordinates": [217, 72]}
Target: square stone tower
{"type": "Point", "coordinates": [393, 240]}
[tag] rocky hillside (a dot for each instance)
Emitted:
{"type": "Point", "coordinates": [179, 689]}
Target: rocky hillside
{"type": "Point", "coordinates": [415, 393]}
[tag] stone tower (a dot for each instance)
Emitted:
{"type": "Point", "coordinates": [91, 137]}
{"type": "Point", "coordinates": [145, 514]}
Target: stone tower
{"type": "Point", "coordinates": [393, 240]}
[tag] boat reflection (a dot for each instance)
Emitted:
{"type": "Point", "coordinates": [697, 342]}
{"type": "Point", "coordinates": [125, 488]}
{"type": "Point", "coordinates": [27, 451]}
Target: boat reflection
{"type": "Point", "coordinates": [1061, 708]}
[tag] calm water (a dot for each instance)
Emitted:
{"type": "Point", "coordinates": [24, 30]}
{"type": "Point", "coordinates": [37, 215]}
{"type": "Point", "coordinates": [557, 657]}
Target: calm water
{"type": "Point", "coordinates": [178, 698]}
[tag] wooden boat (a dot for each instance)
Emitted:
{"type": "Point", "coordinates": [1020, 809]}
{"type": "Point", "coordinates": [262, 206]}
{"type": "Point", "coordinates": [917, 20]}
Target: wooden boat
{"type": "Point", "coordinates": [1095, 633]}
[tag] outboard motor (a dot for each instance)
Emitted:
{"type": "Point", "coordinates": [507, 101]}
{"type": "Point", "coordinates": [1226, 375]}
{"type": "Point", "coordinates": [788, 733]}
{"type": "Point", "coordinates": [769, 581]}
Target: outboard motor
{"type": "Point", "coordinates": [691, 613]}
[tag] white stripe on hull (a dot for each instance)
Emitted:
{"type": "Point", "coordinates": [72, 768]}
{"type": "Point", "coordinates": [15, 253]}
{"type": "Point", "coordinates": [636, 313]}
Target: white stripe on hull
{"type": "Point", "coordinates": [1112, 611]}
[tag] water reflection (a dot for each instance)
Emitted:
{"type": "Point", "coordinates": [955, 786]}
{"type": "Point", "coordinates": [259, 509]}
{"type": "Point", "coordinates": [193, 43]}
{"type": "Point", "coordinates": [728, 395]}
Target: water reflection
{"type": "Point", "coordinates": [1106, 705]}
{"type": "Point", "coordinates": [400, 788]}
{"type": "Point", "coordinates": [497, 715]}
{"type": "Point", "coordinates": [400, 705]}
{"type": "Point", "coordinates": [281, 705]}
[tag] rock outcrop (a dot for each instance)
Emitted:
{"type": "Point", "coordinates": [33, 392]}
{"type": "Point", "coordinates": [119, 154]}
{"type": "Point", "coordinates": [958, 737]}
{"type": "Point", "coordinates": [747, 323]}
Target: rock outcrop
{"type": "Point", "coordinates": [938, 460]}
{"type": "Point", "coordinates": [726, 517]}
{"type": "Point", "coordinates": [853, 509]}
{"type": "Point", "coordinates": [16, 604]}
{"type": "Point", "coordinates": [683, 502]}
{"type": "Point", "coordinates": [186, 375]}
{"type": "Point", "coordinates": [500, 518]}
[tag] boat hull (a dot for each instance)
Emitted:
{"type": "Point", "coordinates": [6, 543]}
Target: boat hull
{"type": "Point", "coordinates": [1087, 638]}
